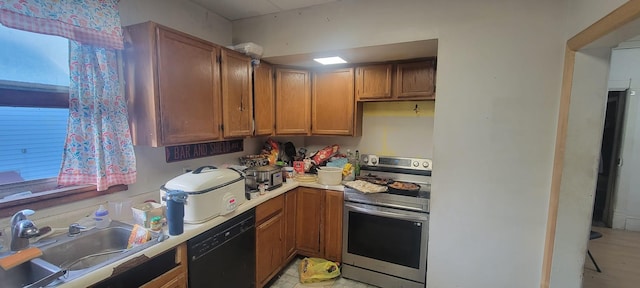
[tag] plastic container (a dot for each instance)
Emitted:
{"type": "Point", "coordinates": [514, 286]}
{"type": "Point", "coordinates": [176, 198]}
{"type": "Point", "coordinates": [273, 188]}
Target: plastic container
{"type": "Point", "coordinates": [101, 216]}
{"type": "Point", "coordinates": [156, 223]}
{"type": "Point", "coordinates": [330, 176]}
{"type": "Point", "coordinates": [249, 48]}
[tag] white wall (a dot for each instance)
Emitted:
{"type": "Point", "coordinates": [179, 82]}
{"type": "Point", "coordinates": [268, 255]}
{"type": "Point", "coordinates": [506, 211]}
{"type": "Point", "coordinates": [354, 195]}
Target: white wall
{"type": "Point", "coordinates": [584, 136]}
{"type": "Point", "coordinates": [499, 73]}
{"type": "Point", "coordinates": [388, 128]}
{"type": "Point", "coordinates": [585, 126]}
{"type": "Point", "coordinates": [625, 73]}
{"type": "Point", "coordinates": [182, 15]}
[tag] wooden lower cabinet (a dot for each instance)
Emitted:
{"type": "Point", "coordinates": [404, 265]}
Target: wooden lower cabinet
{"type": "Point", "coordinates": [319, 223]}
{"type": "Point", "coordinates": [171, 279]}
{"type": "Point", "coordinates": [334, 205]}
{"type": "Point", "coordinates": [176, 277]}
{"type": "Point", "coordinates": [305, 221]}
{"type": "Point", "coordinates": [269, 239]}
{"type": "Point", "coordinates": [269, 256]}
{"type": "Point", "coordinates": [309, 221]}
{"type": "Point", "coordinates": [290, 215]}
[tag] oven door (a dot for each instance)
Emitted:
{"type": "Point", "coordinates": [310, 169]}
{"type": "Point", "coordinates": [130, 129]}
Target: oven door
{"type": "Point", "coordinates": [387, 240]}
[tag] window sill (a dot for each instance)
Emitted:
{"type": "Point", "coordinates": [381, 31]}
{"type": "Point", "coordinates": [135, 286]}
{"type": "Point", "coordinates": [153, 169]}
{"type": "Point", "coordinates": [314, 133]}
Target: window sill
{"type": "Point", "coordinates": [47, 199]}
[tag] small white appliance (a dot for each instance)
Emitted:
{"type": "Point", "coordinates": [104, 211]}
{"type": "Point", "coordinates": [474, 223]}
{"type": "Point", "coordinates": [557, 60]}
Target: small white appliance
{"type": "Point", "coordinates": [211, 192]}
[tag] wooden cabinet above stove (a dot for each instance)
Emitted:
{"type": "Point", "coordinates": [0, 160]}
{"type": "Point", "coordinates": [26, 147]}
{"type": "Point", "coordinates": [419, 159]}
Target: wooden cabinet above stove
{"type": "Point", "coordinates": [413, 80]}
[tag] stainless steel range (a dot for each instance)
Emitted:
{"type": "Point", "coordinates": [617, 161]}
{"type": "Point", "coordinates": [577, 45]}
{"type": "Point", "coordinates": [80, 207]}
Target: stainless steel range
{"type": "Point", "coordinates": [386, 234]}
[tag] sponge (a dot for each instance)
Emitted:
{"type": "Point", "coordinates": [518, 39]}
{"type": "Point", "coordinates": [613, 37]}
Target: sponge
{"type": "Point", "coordinates": [20, 257]}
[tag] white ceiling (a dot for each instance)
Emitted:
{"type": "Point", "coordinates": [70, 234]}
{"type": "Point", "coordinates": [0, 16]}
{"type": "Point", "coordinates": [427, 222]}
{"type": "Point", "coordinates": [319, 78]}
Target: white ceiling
{"type": "Point", "coordinates": [240, 9]}
{"type": "Point", "coordinates": [381, 53]}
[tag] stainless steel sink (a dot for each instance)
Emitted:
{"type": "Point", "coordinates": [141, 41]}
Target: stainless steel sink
{"type": "Point", "coordinates": [34, 273]}
{"type": "Point", "coordinates": [73, 256]}
{"type": "Point", "coordinates": [90, 250]}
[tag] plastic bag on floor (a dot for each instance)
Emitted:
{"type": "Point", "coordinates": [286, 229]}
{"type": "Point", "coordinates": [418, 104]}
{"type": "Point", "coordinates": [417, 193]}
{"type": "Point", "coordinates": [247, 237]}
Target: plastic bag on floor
{"type": "Point", "coordinates": [313, 270]}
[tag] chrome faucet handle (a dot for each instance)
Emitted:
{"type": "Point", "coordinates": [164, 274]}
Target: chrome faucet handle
{"type": "Point", "coordinates": [21, 215]}
{"type": "Point", "coordinates": [22, 229]}
{"type": "Point", "coordinates": [28, 230]}
{"type": "Point", "coordinates": [75, 229]}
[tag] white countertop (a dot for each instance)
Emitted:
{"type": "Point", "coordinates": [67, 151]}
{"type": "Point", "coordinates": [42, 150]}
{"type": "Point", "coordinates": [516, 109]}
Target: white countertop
{"type": "Point", "coordinates": [190, 231]}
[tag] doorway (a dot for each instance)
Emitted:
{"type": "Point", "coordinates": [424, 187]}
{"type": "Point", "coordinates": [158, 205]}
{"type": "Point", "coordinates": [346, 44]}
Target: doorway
{"type": "Point", "coordinates": [609, 159]}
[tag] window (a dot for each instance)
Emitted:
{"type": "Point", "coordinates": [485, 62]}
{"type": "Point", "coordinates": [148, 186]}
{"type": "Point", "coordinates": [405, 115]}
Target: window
{"type": "Point", "coordinates": [34, 81]}
{"type": "Point", "coordinates": [34, 101]}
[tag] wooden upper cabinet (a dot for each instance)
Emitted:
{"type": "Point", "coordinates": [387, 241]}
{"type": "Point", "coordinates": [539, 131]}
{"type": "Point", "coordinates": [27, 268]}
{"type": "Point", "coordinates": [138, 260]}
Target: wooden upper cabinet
{"type": "Point", "coordinates": [237, 100]}
{"type": "Point", "coordinates": [264, 99]}
{"type": "Point", "coordinates": [415, 80]}
{"type": "Point", "coordinates": [396, 81]}
{"type": "Point", "coordinates": [172, 85]}
{"type": "Point", "coordinates": [373, 81]}
{"type": "Point", "coordinates": [293, 102]}
{"type": "Point", "coordinates": [332, 102]}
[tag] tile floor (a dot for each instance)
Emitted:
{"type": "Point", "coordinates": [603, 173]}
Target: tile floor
{"type": "Point", "coordinates": [290, 279]}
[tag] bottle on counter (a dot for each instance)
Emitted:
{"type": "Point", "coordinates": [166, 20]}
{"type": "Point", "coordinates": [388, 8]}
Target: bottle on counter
{"type": "Point", "coordinates": [101, 216]}
{"type": "Point", "coordinates": [156, 223]}
{"type": "Point", "coordinates": [356, 164]}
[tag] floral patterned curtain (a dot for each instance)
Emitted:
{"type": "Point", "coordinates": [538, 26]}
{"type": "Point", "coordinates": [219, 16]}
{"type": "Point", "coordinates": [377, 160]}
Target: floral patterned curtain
{"type": "Point", "coordinates": [92, 22]}
{"type": "Point", "coordinates": [98, 148]}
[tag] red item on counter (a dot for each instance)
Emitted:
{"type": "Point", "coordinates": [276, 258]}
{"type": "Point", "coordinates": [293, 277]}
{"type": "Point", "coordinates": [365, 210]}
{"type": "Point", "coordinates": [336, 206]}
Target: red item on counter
{"type": "Point", "coordinates": [298, 166]}
{"type": "Point", "coordinates": [325, 154]}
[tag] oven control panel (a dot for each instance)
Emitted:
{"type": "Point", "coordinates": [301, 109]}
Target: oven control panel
{"type": "Point", "coordinates": [396, 162]}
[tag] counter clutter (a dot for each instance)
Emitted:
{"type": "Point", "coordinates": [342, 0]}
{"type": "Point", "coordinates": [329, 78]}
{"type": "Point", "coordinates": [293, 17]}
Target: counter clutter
{"type": "Point", "coordinates": [190, 231]}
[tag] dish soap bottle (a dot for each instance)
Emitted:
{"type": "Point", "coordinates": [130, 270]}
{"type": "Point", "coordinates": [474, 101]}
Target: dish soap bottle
{"type": "Point", "coordinates": [102, 217]}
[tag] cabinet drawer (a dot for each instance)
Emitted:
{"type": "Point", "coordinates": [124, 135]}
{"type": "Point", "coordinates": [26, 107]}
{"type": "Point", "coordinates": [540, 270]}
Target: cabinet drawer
{"type": "Point", "coordinates": [266, 209]}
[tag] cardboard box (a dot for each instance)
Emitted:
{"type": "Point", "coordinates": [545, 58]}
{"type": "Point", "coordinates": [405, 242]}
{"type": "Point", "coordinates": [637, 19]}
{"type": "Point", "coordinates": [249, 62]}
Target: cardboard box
{"type": "Point", "coordinates": [142, 213]}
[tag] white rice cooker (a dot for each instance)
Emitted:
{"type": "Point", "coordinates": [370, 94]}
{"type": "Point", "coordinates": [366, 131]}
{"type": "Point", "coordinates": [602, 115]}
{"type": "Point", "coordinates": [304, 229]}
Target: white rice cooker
{"type": "Point", "coordinates": [211, 192]}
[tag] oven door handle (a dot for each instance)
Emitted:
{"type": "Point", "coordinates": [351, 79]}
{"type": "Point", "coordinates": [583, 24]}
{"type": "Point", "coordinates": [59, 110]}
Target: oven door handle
{"type": "Point", "coordinates": [386, 213]}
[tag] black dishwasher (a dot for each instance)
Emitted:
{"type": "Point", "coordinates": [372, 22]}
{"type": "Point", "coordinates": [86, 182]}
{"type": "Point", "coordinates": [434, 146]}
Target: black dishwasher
{"type": "Point", "coordinates": [224, 256]}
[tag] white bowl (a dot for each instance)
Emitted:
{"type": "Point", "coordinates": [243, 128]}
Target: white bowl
{"type": "Point", "coordinates": [330, 175]}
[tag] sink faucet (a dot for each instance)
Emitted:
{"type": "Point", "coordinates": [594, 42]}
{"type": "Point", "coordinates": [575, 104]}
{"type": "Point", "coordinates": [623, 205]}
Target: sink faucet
{"type": "Point", "coordinates": [22, 229]}
{"type": "Point", "coordinates": [75, 229]}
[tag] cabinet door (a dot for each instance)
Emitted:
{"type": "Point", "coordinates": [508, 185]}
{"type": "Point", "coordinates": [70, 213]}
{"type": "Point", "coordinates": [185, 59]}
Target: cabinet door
{"type": "Point", "coordinates": [188, 89]}
{"type": "Point", "coordinates": [293, 102]}
{"type": "Point", "coordinates": [169, 280]}
{"type": "Point", "coordinates": [174, 278]}
{"type": "Point", "coordinates": [332, 102]}
{"type": "Point", "coordinates": [290, 202]}
{"type": "Point", "coordinates": [309, 221]}
{"type": "Point", "coordinates": [415, 80]}
{"type": "Point", "coordinates": [237, 101]}
{"type": "Point", "coordinates": [264, 99]}
{"type": "Point", "coordinates": [334, 203]}
{"type": "Point", "coordinates": [269, 237]}
{"type": "Point", "coordinates": [373, 82]}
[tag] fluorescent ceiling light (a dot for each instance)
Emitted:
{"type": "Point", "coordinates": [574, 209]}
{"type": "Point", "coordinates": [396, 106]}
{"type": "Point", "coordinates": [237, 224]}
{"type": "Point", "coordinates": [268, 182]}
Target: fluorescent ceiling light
{"type": "Point", "coordinates": [330, 60]}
